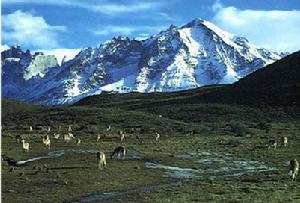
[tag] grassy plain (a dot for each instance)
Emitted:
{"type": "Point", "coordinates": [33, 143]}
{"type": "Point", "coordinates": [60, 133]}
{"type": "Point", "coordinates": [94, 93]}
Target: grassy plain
{"type": "Point", "coordinates": [238, 132]}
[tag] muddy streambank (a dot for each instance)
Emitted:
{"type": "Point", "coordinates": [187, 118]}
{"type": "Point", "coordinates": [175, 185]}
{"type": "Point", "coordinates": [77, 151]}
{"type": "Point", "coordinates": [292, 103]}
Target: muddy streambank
{"type": "Point", "coordinates": [209, 164]}
{"type": "Point", "coordinates": [205, 166]}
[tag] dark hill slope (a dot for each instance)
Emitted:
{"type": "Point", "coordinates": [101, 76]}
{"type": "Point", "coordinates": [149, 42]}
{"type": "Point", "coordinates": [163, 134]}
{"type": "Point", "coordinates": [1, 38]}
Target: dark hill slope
{"type": "Point", "coordinates": [87, 119]}
{"type": "Point", "coordinates": [9, 106]}
{"type": "Point", "coordinates": [277, 84]}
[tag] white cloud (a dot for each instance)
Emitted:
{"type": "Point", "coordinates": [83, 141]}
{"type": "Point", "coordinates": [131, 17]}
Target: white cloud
{"type": "Point", "coordinates": [24, 29]}
{"type": "Point", "coordinates": [163, 16]}
{"type": "Point", "coordinates": [114, 30]}
{"type": "Point", "coordinates": [217, 6]}
{"type": "Point", "coordinates": [48, 2]}
{"type": "Point", "coordinates": [99, 6]}
{"type": "Point", "coordinates": [113, 9]}
{"type": "Point", "coordinates": [276, 29]}
{"type": "Point", "coordinates": [126, 30]}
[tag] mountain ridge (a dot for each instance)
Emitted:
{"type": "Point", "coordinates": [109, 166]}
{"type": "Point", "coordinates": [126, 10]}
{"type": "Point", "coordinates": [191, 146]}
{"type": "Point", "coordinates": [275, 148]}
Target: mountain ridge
{"type": "Point", "coordinates": [179, 58]}
{"type": "Point", "coordinates": [277, 84]}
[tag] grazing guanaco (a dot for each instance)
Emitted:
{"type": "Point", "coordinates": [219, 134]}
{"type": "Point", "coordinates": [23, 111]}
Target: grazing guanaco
{"type": "Point", "coordinates": [67, 138]}
{"type": "Point", "coordinates": [101, 159]}
{"type": "Point", "coordinates": [25, 146]}
{"type": "Point", "coordinates": [47, 141]}
{"type": "Point", "coordinates": [272, 143]}
{"type": "Point", "coordinates": [119, 151]}
{"type": "Point", "coordinates": [122, 135]}
{"type": "Point", "coordinates": [294, 168]}
{"type": "Point", "coordinates": [18, 138]}
{"type": "Point", "coordinates": [71, 135]}
{"type": "Point", "coordinates": [78, 142]}
{"type": "Point", "coordinates": [108, 128]}
{"type": "Point", "coordinates": [98, 137]}
{"type": "Point", "coordinates": [157, 136]}
{"type": "Point", "coordinates": [56, 136]}
{"type": "Point", "coordinates": [285, 141]}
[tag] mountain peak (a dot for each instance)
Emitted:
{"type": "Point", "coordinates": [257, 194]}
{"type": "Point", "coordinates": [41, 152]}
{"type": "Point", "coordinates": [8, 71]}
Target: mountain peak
{"type": "Point", "coordinates": [196, 54]}
{"type": "Point", "coordinates": [211, 28]}
{"type": "Point", "coordinates": [172, 27]}
{"type": "Point", "coordinates": [194, 23]}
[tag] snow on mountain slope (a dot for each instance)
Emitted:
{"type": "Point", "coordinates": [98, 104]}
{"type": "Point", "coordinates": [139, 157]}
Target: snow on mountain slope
{"type": "Point", "coordinates": [196, 54]}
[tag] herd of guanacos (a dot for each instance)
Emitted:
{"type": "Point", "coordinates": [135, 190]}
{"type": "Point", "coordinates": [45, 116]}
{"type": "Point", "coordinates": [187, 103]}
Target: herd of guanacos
{"type": "Point", "coordinates": [120, 151]}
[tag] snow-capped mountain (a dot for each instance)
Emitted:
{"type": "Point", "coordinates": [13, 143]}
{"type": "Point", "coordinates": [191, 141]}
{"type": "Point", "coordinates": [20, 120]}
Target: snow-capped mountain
{"type": "Point", "coordinates": [196, 54]}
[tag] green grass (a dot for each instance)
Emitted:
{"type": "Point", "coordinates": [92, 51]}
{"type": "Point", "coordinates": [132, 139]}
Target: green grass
{"type": "Point", "coordinates": [76, 175]}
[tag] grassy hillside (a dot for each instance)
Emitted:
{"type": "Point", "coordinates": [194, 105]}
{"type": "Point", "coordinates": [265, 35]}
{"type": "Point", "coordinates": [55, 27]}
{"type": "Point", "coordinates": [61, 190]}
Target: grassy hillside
{"type": "Point", "coordinates": [91, 120]}
{"type": "Point", "coordinates": [13, 107]}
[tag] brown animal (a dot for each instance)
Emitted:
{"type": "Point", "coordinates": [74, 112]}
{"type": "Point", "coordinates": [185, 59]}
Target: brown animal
{"type": "Point", "coordinates": [78, 141]}
{"type": "Point", "coordinates": [25, 146]}
{"type": "Point", "coordinates": [71, 135]}
{"type": "Point", "coordinates": [18, 138]}
{"type": "Point", "coordinates": [190, 132]}
{"type": "Point", "coordinates": [67, 138]}
{"type": "Point", "coordinates": [272, 143]}
{"type": "Point", "coordinates": [101, 159]}
{"type": "Point", "coordinates": [98, 137]}
{"type": "Point", "coordinates": [285, 141]}
{"type": "Point", "coordinates": [56, 136]}
{"type": "Point", "coordinates": [47, 142]}
{"type": "Point", "coordinates": [122, 135]}
{"type": "Point", "coordinates": [119, 151]}
{"type": "Point", "coordinates": [157, 136]}
{"type": "Point", "coordinates": [294, 168]}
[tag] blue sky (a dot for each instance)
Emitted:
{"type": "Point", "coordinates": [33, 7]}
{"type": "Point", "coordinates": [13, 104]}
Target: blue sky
{"type": "Point", "coordinates": [74, 24]}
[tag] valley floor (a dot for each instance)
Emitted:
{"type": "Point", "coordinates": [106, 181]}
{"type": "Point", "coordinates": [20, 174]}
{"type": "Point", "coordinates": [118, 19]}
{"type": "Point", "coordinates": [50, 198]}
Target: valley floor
{"type": "Point", "coordinates": [208, 166]}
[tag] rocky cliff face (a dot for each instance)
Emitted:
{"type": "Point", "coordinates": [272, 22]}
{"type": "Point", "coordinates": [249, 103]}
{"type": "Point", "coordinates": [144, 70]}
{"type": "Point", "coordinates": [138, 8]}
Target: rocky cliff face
{"type": "Point", "coordinates": [39, 65]}
{"type": "Point", "coordinates": [21, 69]}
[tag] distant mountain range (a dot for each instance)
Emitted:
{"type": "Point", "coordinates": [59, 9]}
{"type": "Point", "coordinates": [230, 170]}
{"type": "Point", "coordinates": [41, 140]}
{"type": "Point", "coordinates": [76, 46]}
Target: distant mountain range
{"type": "Point", "coordinates": [179, 58]}
{"type": "Point", "coordinates": [276, 85]}
{"type": "Point", "coordinates": [274, 89]}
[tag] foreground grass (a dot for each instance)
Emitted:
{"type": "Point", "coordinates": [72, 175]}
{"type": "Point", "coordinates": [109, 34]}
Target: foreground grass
{"type": "Point", "coordinates": [76, 174]}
